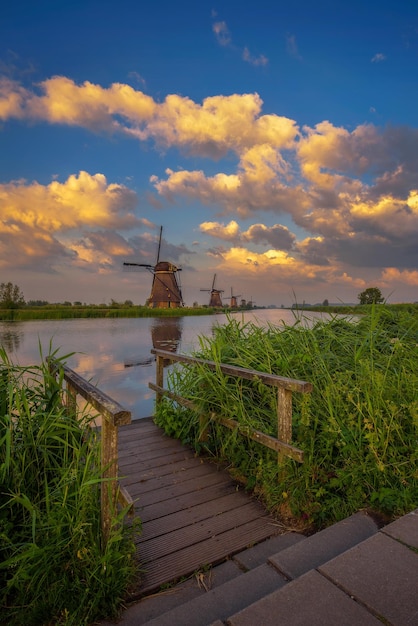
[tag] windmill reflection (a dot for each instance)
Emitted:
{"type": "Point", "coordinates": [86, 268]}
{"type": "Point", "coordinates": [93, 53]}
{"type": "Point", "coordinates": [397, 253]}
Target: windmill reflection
{"type": "Point", "coordinates": [166, 334]}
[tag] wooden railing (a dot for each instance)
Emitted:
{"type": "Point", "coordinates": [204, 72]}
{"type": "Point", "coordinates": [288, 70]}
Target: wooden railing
{"type": "Point", "coordinates": [112, 416]}
{"type": "Point", "coordinates": [285, 388]}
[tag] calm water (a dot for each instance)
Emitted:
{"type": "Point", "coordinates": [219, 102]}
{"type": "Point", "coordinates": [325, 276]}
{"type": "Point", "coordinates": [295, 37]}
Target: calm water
{"type": "Point", "coordinates": [115, 354]}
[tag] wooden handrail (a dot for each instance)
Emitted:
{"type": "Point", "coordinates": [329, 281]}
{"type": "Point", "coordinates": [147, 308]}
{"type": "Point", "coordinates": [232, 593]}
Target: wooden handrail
{"type": "Point", "coordinates": [285, 387]}
{"type": "Point", "coordinates": [113, 415]}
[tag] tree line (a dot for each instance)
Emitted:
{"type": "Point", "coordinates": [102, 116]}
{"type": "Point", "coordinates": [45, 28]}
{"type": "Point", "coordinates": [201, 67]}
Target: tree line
{"type": "Point", "coordinates": [11, 297]}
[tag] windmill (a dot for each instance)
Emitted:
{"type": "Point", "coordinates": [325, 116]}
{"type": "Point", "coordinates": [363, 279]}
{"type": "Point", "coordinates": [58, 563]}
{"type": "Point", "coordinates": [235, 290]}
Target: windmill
{"type": "Point", "coordinates": [165, 290]}
{"type": "Point", "coordinates": [234, 304]}
{"type": "Point", "coordinates": [215, 300]}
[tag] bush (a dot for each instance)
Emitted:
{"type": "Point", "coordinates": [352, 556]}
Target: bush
{"type": "Point", "coordinates": [54, 568]}
{"type": "Point", "coordinates": [358, 429]}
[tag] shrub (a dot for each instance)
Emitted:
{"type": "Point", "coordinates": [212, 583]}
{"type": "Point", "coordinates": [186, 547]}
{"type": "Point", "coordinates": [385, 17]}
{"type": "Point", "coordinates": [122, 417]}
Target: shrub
{"type": "Point", "coordinates": [358, 429]}
{"type": "Point", "coordinates": [54, 568]}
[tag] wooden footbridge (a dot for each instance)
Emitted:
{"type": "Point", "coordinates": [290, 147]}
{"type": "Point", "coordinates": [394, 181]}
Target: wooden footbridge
{"type": "Point", "coordinates": [193, 514]}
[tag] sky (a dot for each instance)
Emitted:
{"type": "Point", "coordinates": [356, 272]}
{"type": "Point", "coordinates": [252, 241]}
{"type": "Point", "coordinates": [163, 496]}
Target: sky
{"type": "Point", "coordinates": [275, 142]}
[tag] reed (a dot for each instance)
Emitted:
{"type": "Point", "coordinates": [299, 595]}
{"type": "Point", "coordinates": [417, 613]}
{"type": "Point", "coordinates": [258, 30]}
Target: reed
{"type": "Point", "coordinates": [83, 312]}
{"type": "Point", "coordinates": [54, 567]}
{"type": "Point", "coordinates": [358, 429]}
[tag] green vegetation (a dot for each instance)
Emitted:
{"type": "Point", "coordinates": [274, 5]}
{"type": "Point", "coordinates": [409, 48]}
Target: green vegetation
{"type": "Point", "coordinates": [61, 312]}
{"type": "Point", "coordinates": [54, 566]}
{"type": "Point", "coordinates": [10, 296]}
{"type": "Point", "coordinates": [358, 428]}
{"type": "Point", "coordinates": [371, 295]}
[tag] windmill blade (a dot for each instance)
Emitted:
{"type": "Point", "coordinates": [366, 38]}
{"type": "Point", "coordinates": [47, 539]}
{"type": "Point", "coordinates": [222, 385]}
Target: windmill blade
{"type": "Point", "coordinates": [138, 264]}
{"type": "Point", "coordinates": [159, 245]}
{"type": "Point", "coordinates": [213, 283]}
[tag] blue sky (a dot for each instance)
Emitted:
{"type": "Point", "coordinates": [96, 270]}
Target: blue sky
{"type": "Point", "coordinates": [276, 143]}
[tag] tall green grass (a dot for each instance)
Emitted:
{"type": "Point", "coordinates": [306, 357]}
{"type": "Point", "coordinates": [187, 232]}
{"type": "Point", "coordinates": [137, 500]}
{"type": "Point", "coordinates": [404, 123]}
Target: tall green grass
{"type": "Point", "coordinates": [82, 312]}
{"type": "Point", "coordinates": [358, 428]}
{"type": "Point", "coordinates": [54, 566]}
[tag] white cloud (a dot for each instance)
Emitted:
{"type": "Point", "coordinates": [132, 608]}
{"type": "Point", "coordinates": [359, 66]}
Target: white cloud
{"type": "Point", "coordinates": [378, 57]}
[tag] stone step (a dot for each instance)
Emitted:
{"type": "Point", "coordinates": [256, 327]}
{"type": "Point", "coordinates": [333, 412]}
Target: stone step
{"type": "Point", "coordinates": [374, 582]}
{"type": "Point", "coordinates": [324, 545]}
{"type": "Point", "coordinates": [249, 577]}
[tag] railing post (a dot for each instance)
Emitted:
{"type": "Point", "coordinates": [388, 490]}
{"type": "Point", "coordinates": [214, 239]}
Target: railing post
{"type": "Point", "coordinates": [159, 377]}
{"type": "Point", "coordinates": [71, 400]}
{"type": "Point", "coordinates": [284, 417]}
{"type": "Point", "coordinates": [109, 437]}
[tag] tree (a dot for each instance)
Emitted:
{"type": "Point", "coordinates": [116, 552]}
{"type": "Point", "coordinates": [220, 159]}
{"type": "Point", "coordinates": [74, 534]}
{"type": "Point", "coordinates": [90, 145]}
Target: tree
{"type": "Point", "coordinates": [371, 295]}
{"type": "Point", "coordinates": [325, 302]}
{"type": "Point", "coordinates": [10, 296]}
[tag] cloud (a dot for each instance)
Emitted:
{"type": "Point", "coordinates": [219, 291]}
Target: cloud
{"type": "Point", "coordinates": [229, 232]}
{"type": "Point", "coordinates": [353, 191]}
{"type": "Point", "coordinates": [254, 60]}
{"type": "Point", "coordinates": [279, 236]}
{"type": "Point", "coordinates": [223, 36]}
{"type": "Point", "coordinates": [378, 58]}
{"type": "Point", "coordinates": [38, 221]}
{"type": "Point", "coordinates": [393, 275]}
{"type": "Point", "coordinates": [292, 47]}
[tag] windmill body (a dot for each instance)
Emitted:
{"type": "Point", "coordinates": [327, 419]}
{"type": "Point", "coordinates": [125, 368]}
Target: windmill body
{"type": "Point", "coordinates": [234, 301]}
{"type": "Point", "coordinates": [165, 290]}
{"type": "Point", "coordinates": [215, 300]}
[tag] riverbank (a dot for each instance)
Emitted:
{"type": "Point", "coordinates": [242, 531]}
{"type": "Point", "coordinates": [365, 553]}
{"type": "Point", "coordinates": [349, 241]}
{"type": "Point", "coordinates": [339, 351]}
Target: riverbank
{"type": "Point", "coordinates": [83, 311]}
{"type": "Point", "coordinates": [52, 312]}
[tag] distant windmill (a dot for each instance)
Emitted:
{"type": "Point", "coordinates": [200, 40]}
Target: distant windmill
{"type": "Point", "coordinates": [234, 304]}
{"type": "Point", "coordinates": [215, 300]}
{"type": "Point", "coordinates": [165, 290]}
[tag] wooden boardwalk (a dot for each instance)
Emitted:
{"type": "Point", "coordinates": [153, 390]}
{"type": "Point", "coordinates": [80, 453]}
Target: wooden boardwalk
{"type": "Point", "coordinates": [193, 514]}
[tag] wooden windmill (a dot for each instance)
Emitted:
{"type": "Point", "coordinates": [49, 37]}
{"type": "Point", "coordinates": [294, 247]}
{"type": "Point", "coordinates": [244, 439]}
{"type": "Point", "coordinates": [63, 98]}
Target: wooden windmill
{"type": "Point", "coordinates": [215, 300]}
{"type": "Point", "coordinates": [165, 290]}
{"type": "Point", "coordinates": [234, 304]}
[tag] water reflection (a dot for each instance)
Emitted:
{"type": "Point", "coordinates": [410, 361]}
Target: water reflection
{"type": "Point", "coordinates": [166, 333]}
{"type": "Point", "coordinates": [115, 354]}
{"type": "Point", "coordinates": [11, 335]}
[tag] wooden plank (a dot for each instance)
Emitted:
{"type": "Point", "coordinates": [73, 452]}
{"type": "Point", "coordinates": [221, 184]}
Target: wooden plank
{"type": "Point", "coordinates": [193, 514]}
{"type": "Point", "coordinates": [178, 462]}
{"type": "Point", "coordinates": [171, 491]}
{"type": "Point", "coordinates": [183, 502]}
{"type": "Point", "coordinates": [190, 534]}
{"type": "Point", "coordinates": [146, 454]}
{"type": "Point", "coordinates": [150, 482]}
{"type": "Point", "coordinates": [210, 552]}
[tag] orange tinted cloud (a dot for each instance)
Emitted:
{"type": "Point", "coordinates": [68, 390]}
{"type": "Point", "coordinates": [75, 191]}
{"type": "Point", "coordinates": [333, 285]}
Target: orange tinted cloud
{"type": "Point", "coordinates": [392, 275]}
{"type": "Point", "coordinates": [36, 219]}
{"type": "Point", "coordinates": [355, 189]}
{"type": "Point", "coordinates": [219, 124]}
{"type": "Point", "coordinates": [83, 200]}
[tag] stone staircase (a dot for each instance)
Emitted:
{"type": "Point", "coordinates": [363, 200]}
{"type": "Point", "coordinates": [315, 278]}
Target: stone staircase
{"type": "Point", "coordinates": [350, 574]}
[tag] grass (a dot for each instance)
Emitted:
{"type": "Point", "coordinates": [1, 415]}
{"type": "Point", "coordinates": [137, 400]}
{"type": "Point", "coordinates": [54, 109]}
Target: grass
{"type": "Point", "coordinates": [54, 312]}
{"type": "Point", "coordinates": [54, 566]}
{"type": "Point", "coordinates": [358, 428]}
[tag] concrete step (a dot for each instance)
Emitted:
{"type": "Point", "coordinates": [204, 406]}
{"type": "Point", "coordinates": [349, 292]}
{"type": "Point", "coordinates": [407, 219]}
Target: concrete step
{"type": "Point", "coordinates": [249, 578]}
{"type": "Point", "coordinates": [323, 546]}
{"type": "Point", "coordinates": [372, 583]}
